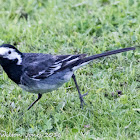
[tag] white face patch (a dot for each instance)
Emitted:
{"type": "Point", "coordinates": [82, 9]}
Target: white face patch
{"type": "Point", "coordinates": [10, 54]}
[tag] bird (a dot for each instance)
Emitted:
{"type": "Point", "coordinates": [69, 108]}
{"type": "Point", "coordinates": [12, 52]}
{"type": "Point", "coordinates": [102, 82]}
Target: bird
{"type": "Point", "coordinates": [41, 73]}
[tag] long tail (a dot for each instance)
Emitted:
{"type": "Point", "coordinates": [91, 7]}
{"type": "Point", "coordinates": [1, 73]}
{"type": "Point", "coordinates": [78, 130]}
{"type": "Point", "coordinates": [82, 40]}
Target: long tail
{"type": "Point", "coordinates": [86, 60]}
{"type": "Point", "coordinates": [107, 53]}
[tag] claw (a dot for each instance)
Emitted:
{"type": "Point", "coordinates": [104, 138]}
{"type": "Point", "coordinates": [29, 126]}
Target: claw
{"type": "Point", "coordinates": [85, 94]}
{"type": "Point", "coordinates": [82, 100]}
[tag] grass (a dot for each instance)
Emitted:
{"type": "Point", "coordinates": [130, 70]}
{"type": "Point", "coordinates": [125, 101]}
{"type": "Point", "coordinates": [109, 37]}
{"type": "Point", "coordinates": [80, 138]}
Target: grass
{"type": "Point", "coordinates": [69, 27]}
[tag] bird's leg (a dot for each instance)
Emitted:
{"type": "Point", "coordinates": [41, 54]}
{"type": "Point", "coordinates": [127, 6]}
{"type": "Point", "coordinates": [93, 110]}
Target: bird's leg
{"type": "Point", "coordinates": [80, 95]}
{"type": "Point", "coordinates": [39, 96]}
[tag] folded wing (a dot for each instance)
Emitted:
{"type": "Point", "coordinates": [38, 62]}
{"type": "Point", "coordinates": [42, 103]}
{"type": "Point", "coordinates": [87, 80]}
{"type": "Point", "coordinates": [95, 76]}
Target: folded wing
{"type": "Point", "coordinates": [40, 66]}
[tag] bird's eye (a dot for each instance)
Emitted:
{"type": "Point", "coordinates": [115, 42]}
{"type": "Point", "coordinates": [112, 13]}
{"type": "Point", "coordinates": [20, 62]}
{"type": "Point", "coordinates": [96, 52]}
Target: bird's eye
{"type": "Point", "coordinates": [9, 52]}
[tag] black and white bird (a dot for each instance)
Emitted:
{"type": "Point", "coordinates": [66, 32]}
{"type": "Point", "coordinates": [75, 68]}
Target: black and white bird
{"type": "Point", "coordinates": [41, 73]}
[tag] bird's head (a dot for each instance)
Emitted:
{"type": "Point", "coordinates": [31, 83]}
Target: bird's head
{"type": "Point", "coordinates": [9, 54]}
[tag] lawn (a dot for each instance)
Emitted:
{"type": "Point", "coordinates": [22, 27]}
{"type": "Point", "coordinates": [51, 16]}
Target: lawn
{"type": "Point", "coordinates": [74, 27]}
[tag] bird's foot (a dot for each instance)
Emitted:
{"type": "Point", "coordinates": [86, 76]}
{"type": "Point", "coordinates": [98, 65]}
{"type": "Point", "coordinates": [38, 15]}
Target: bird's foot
{"type": "Point", "coordinates": [82, 100]}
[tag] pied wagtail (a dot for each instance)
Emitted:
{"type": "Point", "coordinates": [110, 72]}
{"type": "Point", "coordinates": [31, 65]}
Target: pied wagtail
{"type": "Point", "coordinates": [40, 73]}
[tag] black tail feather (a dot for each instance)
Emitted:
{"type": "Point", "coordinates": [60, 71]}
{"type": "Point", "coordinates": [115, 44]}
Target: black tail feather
{"type": "Point", "coordinates": [107, 53]}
